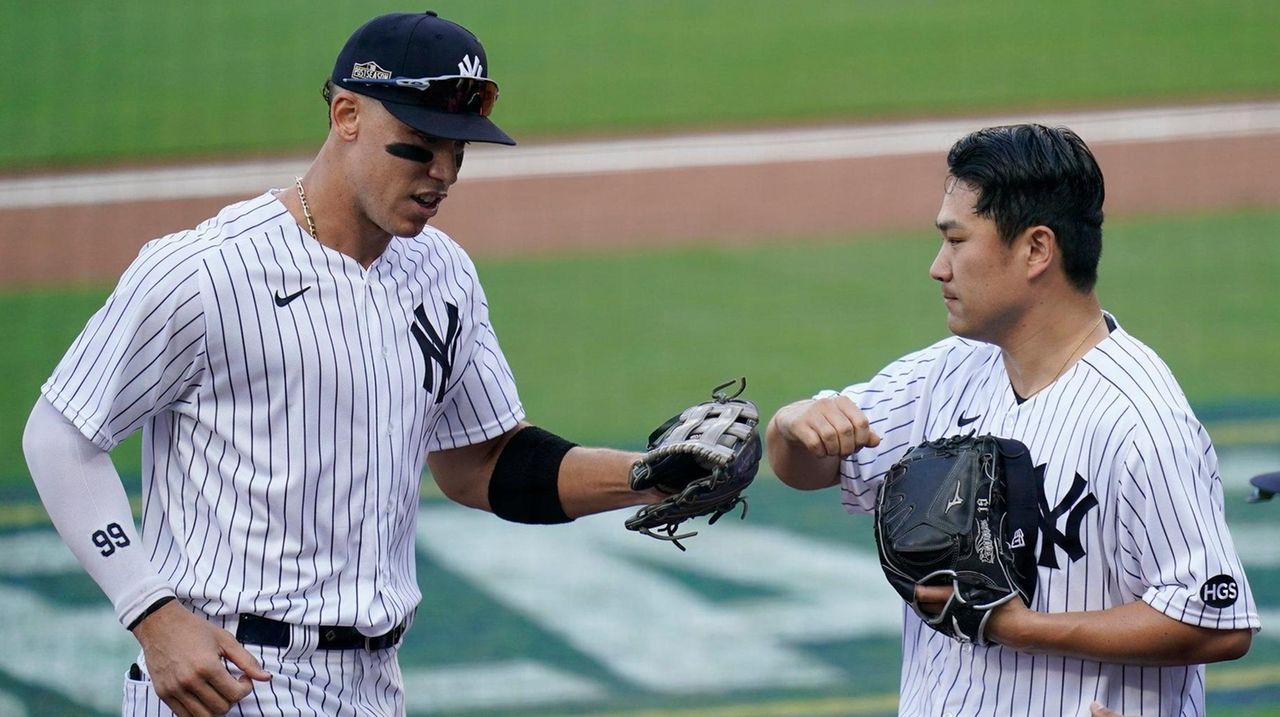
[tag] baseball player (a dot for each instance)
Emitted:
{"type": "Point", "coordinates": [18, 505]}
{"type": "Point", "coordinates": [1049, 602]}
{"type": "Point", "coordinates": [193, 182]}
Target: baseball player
{"type": "Point", "coordinates": [291, 363]}
{"type": "Point", "coordinates": [1138, 581]}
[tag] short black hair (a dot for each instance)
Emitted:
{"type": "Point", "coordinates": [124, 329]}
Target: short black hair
{"type": "Point", "coordinates": [1029, 174]}
{"type": "Point", "coordinates": [327, 93]}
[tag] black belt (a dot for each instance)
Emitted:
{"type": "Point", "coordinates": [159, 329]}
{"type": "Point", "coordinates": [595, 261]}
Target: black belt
{"type": "Point", "coordinates": [257, 630]}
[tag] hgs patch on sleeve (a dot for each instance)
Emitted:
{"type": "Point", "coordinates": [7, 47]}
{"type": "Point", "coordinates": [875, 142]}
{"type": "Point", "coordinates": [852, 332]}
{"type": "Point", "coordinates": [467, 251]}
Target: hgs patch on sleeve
{"type": "Point", "coordinates": [1219, 591]}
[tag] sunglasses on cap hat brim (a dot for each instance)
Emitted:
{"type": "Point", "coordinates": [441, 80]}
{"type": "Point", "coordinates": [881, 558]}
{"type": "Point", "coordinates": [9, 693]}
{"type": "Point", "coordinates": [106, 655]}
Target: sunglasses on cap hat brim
{"type": "Point", "coordinates": [456, 94]}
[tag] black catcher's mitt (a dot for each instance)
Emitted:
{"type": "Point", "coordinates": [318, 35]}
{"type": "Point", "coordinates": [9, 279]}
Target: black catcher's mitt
{"type": "Point", "coordinates": [961, 511]}
{"type": "Point", "coordinates": [703, 459]}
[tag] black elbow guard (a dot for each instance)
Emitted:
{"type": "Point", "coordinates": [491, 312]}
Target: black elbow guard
{"type": "Point", "coordinates": [524, 487]}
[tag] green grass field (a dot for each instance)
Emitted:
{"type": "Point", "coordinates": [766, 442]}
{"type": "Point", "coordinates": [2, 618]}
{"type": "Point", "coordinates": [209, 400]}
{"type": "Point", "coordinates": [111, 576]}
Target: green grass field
{"type": "Point", "coordinates": [147, 79]}
{"type": "Point", "coordinates": [604, 346]}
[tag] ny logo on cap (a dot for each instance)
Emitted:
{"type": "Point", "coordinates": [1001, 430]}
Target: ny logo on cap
{"type": "Point", "coordinates": [470, 67]}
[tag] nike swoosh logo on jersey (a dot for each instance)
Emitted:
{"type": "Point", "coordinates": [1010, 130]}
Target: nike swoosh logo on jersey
{"type": "Point", "coordinates": [284, 300]}
{"type": "Point", "coordinates": [966, 421]}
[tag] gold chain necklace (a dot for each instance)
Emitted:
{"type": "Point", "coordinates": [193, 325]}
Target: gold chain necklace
{"type": "Point", "coordinates": [306, 210]}
{"type": "Point", "coordinates": [1062, 368]}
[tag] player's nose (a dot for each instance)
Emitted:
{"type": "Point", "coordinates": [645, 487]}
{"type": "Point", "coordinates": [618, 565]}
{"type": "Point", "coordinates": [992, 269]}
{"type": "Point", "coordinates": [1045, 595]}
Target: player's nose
{"type": "Point", "coordinates": [444, 167]}
{"type": "Point", "coordinates": [940, 269]}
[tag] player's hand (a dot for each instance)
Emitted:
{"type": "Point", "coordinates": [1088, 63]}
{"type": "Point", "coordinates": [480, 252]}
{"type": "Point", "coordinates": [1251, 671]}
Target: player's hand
{"type": "Point", "coordinates": [933, 598]}
{"type": "Point", "coordinates": [1097, 709]}
{"type": "Point", "coordinates": [184, 655]}
{"type": "Point", "coordinates": [1003, 627]}
{"type": "Point", "coordinates": [826, 427]}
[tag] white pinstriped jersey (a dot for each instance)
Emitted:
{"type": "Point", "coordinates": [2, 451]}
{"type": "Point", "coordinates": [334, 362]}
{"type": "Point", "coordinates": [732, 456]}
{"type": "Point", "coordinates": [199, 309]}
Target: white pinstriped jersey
{"type": "Point", "coordinates": [1131, 509]}
{"type": "Point", "coordinates": [288, 398]}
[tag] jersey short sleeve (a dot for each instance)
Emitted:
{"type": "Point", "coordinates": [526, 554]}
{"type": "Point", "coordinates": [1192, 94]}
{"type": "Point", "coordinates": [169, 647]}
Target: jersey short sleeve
{"type": "Point", "coordinates": [1175, 550]}
{"type": "Point", "coordinates": [895, 400]}
{"type": "Point", "coordinates": [141, 352]}
{"type": "Point", "coordinates": [482, 402]}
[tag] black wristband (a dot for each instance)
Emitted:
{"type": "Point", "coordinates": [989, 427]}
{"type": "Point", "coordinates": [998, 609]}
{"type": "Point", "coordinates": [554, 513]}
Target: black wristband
{"type": "Point", "coordinates": [524, 487]}
{"type": "Point", "coordinates": [152, 608]}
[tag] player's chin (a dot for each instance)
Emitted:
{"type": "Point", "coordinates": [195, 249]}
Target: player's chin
{"type": "Point", "coordinates": [965, 329]}
{"type": "Point", "coordinates": [411, 216]}
{"type": "Point", "coordinates": [409, 225]}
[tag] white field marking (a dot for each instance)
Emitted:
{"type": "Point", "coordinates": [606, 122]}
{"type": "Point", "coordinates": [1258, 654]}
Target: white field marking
{"type": "Point", "coordinates": [1240, 463]}
{"type": "Point", "coordinates": [1256, 543]}
{"type": "Point", "coordinates": [88, 642]}
{"type": "Point", "coordinates": [35, 552]}
{"type": "Point", "coordinates": [493, 685]}
{"type": "Point", "coordinates": [677, 152]}
{"type": "Point", "coordinates": [1270, 620]}
{"type": "Point", "coordinates": [81, 653]}
{"type": "Point", "coordinates": [1255, 539]}
{"type": "Point", "coordinates": [10, 706]}
{"type": "Point", "coordinates": [823, 591]}
{"type": "Point", "coordinates": [590, 583]}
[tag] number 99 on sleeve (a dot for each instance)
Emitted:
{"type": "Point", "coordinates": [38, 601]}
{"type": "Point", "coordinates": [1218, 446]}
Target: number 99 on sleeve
{"type": "Point", "coordinates": [109, 539]}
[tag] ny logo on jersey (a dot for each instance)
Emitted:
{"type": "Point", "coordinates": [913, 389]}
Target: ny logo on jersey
{"type": "Point", "coordinates": [1075, 505]}
{"type": "Point", "coordinates": [436, 350]}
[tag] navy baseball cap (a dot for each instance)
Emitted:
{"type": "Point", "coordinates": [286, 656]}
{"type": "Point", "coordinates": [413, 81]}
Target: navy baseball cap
{"type": "Point", "coordinates": [1265, 486]}
{"type": "Point", "coordinates": [428, 72]}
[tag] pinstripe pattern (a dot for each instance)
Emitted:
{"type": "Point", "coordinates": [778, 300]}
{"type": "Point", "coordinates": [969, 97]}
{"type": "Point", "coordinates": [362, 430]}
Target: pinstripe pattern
{"type": "Point", "coordinates": [284, 438]}
{"type": "Point", "coordinates": [1118, 420]}
{"type": "Point", "coordinates": [304, 683]}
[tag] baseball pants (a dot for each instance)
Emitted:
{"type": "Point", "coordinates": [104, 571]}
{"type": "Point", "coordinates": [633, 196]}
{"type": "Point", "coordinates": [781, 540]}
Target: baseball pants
{"type": "Point", "coordinates": [304, 681]}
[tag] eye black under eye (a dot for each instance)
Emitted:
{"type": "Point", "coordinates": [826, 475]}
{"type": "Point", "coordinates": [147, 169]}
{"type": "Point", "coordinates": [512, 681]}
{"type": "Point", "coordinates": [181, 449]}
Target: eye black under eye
{"type": "Point", "coordinates": [411, 152]}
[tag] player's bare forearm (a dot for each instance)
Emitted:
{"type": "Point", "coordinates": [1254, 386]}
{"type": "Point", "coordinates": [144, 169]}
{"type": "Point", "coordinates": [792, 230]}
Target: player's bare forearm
{"type": "Point", "coordinates": [463, 473]}
{"type": "Point", "coordinates": [805, 440]}
{"type": "Point", "coordinates": [594, 480]}
{"type": "Point", "coordinates": [795, 465]}
{"type": "Point", "coordinates": [591, 480]}
{"type": "Point", "coordinates": [1135, 633]}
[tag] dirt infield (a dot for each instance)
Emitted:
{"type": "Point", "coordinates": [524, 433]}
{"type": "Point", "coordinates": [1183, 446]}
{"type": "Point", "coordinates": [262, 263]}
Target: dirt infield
{"type": "Point", "coordinates": [602, 212]}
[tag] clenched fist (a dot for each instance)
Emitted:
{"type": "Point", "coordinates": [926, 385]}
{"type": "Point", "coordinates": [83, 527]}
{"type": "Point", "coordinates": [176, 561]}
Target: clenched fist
{"type": "Point", "coordinates": [826, 426]}
{"type": "Point", "coordinates": [807, 439]}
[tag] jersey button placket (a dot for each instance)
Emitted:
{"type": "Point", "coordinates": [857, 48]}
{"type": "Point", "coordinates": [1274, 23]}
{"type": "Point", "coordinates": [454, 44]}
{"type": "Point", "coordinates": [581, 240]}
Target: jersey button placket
{"type": "Point", "coordinates": [386, 360]}
{"type": "Point", "coordinates": [390, 411]}
{"type": "Point", "coordinates": [377, 367]}
{"type": "Point", "coordinates": [1010, 417]}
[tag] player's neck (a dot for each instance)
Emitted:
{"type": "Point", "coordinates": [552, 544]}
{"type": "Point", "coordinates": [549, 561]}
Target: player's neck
{"type": "Point", "coordinates": [1049, 340]}
{"type": "Point", "coordinates": [331, 217]}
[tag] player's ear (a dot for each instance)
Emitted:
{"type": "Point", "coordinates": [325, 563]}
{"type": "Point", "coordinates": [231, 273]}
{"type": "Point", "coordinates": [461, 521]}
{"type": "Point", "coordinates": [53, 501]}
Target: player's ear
{"type": "Point", "coordinates": [344, 115]}
{"type": "Point", "coordinates": [1039, 248]}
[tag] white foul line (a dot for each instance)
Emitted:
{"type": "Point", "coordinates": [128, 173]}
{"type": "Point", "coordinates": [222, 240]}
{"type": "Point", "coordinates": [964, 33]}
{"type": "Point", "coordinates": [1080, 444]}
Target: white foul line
{"type": "Point", "coordinates": [707, 150]}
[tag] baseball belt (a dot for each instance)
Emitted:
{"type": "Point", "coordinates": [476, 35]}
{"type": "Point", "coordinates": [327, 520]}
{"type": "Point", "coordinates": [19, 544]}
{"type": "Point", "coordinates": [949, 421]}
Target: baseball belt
{"type": "Point", "coordinates": [258, 630]}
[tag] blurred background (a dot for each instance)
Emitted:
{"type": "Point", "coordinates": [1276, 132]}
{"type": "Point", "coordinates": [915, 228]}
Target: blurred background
{"type": "Point", "coordinates": [702, 190]}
